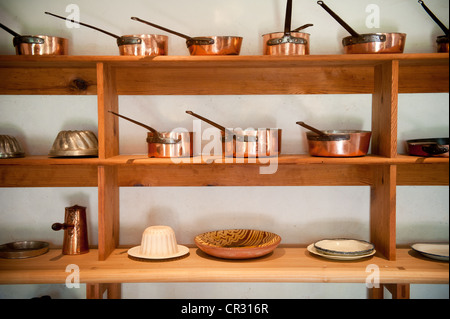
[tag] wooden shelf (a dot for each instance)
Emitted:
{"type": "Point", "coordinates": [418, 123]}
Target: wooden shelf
{"type": "Point", "coordinates": [186, 75]}
{"type": "Point", "coordinates": [283, 265]}
{"type": "Point", "coordinates": [291, 170]}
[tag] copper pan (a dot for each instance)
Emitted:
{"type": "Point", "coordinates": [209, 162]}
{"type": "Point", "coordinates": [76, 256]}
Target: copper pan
{"type": "Point", "coordinates": [38, 44]}
{"type": "Point", "coordinates": [370, 42]}
{"type": "Point", "coordinates": [287, 42]}
{"type": "Point", "coordinates": [174, 144]}
{"type": "Point", "coordinates": [205, 45]}
{"type": "Point", "coordinates": [443, 40]}
{"type": "Point", "coordinates": [249, 143]}
{"type": "Point", "coordinates": [337, 143]}
{"type": "Point", "coordinates": [132, 45]}
{"type": "Point", "coordinates": [428, 147]}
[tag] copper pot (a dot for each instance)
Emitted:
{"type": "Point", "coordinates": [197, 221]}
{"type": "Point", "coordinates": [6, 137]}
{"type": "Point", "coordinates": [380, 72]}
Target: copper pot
{"type": "Point", "coordinates": [442, 44]}
{"type": "Point", "coordinates": [337, 143]}
{"type": "Point", "coordinates": [38, 44]}
{"type": "Point", "coordinates": [206, 45]}
{"type": "Point", "coordinates": [370, 42]}
{"type": "Point", "coordinates": [133, 45]}
{"type": "Point", "coordinates": [442, 41]}
{"type": "Point", "coordinates": [143, 45]}
{"type": "Point", "coordinates": [428, 147]}
{"type": "Point", "coordinates": [182, 148]}
{"type": "Point", "coordinates": [250, 143]}
{"type": "Point", "coordinates": [172, 144]}
{"type": "Point", "coordinates": [287, 42]}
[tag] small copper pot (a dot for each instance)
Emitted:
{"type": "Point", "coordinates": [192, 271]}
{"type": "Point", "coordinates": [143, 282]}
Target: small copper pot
{"type": "Point", "coordinates": [345, 143]}
{"type": "Point", "coordinates": [183, 148]}
{"type": "Point", "coordinates": [375, 43]}
{"type": "Point", "coordinates": [287, 48]}
{"type": "Point", "coordinates": [253, 143]}
{"type": "Point", "coordinates": [442, 44]}
{"type": "Point", "coordinates": [143, 45]}
{"type": "Point", "coordinates": [75, 231]}
{"type": "Point", "coordinates": [40, 45]}
{"type": "Point", "coordinates": [216, 45]}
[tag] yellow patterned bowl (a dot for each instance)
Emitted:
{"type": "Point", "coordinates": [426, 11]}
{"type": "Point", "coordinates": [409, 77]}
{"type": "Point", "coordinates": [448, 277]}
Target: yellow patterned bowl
{"type": "Point", "coordinates": [237, 243]}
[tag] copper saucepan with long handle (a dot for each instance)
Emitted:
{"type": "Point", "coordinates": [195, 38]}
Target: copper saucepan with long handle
{"type": "Point", "coordinates": [38, 44]}
{"type": "Point", "coordinates": [443, 40]}
{"type": "Point", "coordinates": [172, 144]}
{"type": "Point", "coordinates": [393, 42]}
{"type": "Point", "coordinates": [132, 45]}
{"type": "Point", "coordinates": [428, 147]}
{"type": "Point", "coordinates": [249, 143]}
{"type": "Point", "coordinates": [205, 45]}
{"type": "Point", "coordinates": [288, 42]}
{"type": "Point", "coordinates": [337, 143]}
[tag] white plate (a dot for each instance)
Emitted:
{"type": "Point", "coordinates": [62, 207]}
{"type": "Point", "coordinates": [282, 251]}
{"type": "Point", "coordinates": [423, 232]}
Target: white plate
{"type": "Point", "coordinates": [134, 252]}
{"type": "Point", "coordinates": [314, 251]}
{"type": "Point", "coordinates": [344, 247]}
{"type": "Point", "coordinates": [434, 251]}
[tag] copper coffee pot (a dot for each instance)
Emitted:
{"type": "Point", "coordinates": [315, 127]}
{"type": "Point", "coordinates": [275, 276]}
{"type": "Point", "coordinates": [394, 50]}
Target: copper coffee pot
{"type": "Point", "coordinates": [75, 231]}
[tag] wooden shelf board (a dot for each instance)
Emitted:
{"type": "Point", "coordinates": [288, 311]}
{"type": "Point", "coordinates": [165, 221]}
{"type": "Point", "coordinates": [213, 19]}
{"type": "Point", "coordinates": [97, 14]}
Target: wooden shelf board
{"type": "Point", "coordinates": [186, 75]}
{"type": "Point", "coordinates": [290, 170]}
{"type": "Point", "coordinates": [283, 265]}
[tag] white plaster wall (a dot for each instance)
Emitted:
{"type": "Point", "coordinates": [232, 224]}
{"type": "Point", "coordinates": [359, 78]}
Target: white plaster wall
{"type": "Point", "coordinates": [298, 214]}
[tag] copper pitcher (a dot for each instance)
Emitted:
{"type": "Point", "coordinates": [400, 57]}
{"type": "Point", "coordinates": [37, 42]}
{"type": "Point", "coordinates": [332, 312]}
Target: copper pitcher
{"type": "Point", "coordinates": [75, 231]}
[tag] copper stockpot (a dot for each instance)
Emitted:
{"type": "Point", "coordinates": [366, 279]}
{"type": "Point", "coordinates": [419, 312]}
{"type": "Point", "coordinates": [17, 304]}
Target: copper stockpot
{"type": "Point", "coordinates": [287, 42]}
{"type": "Point", "coordinates": [337, 143]}
{"type": "Point", "coordinates": [205, 45]}
{"type": "Point", "coordinates": [393, 42]}
{"type": "Point", "coordinates": [288, 48]}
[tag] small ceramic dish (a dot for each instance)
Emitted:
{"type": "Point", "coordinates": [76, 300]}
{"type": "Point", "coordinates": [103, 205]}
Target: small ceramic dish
{"type": "Point", "coordinates": [23, 249]}
{"type": "Point", "coordinates": [344, 247]}
{"type": "Point", "coordinates": [314, 251]}
{"type": "Point", "coordinates": [434, 251]}
{"type": "Point", "coordinates": [237, 243]}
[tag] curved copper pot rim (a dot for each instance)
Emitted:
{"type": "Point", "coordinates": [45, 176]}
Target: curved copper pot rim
{"type": "Point", "coordinates": [44, 37]}
{"type": "Point", "coordinates": [145, 36]}
{"type": "Point", "coordinates": [216, 37]}
{"type": "Point", "coordinates": [282, 32]}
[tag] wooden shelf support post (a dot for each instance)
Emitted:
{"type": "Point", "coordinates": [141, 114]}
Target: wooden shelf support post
{"type": "Point", "coordinates": [384, 143]}
{"type": "Point", "coordinates": [108, 186]}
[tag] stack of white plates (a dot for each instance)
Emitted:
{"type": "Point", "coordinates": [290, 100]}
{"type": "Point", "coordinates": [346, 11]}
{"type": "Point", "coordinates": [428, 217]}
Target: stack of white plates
{"type": "Point", "coordinates": [342, 248]}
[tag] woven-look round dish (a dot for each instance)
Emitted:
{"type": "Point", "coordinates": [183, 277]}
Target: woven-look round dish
{"type": "Point", "coordinates": [237, 243]}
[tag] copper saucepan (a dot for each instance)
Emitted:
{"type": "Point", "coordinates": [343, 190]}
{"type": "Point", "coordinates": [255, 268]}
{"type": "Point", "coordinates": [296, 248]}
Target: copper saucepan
{"type": "Point", "coordinates": [172, 144]}
{"type": "Point", "coordinates": [443, 40]}
{"type": "Point", "coordinates": [428, 147]}
{"type": "Point", "coordinates": [38, 44]}
{"type": "Point", "coordinates": [253, 143]}
{"type": "Point", "coordinates": [370, 42]}
{"type": "Point", "coordinates": [207, 45]}
{"type": "Point", "coordinates": [287, 42]}
{"type": "Point", "coordinates": [337, 143]}
{"type": "Point", "coordinates": [133, 45]}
